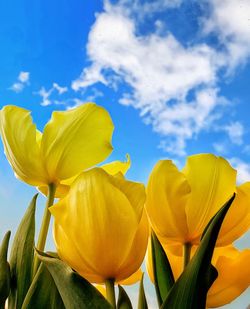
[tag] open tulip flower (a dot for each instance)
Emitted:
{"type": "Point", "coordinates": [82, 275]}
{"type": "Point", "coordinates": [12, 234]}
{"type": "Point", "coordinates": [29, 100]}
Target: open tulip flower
{"type": "Point", "coordinates": [181, 203]}
{"type": "Point", "coordinates": [100, 227]}
{"type": "Point", "coordinates": [101, 221]}
{"type": "Point", "coordinates": [232, 266]}
{"type": "Point", "coordinates": [72, 141]}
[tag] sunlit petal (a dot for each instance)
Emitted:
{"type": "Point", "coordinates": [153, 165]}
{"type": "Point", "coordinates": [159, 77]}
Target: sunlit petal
{"type": "Point", "coordinates": [21, 145]}
{"type": "Point", "coordinates": [115, 167]}
{"type": "Point", "coordinates": [167, 195]}
{"type": "Point", "coordinates": [212, 181]}
{"type": "Point", "coordinates": [76, 140]}
{"type": "Point", "coordinates": [97, 217]}
{"type": "Point", "coordinates": [233, 276]}
{"type": "Point", "coordinates": [237, 220]}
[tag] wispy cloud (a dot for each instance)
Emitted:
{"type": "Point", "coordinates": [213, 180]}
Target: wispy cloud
{"type": "Point", "coordinates": [46, 94]}
{"type": "Point", "coordinates": [230, 21]}
{"type": "Point", "coordinates": [22, 81]}
{"type": "Point", "coordinates": [174, 86]}
{"type": "Point", "coordinates": [235, 132]}
{"type": "Point", "coordinates": [243, 169]}
{"type": "Point", "coordinates": [60, 89]}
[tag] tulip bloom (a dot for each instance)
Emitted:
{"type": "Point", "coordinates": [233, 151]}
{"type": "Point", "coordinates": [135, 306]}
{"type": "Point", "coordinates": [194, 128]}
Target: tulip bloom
{"type": "Point", "coordinates": [233, 272]}
{"type": "Point", "coordinates": [72, 141]}
{"type": "Point", "coordinates": [100, 228]}
{"type": "Point", "coordinates": [181, 203]}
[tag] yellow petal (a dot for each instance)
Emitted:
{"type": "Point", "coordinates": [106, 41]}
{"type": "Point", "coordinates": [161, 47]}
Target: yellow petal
{"type": "Point", "coordinates": [130, 268]}
{"type": "Point", "coordinates": [167, 195]}
{"type": "Point", "coordinates": [97, 217]}
{"type": "Point", "coordinates": [237, 220]}
{"type": "Point", "coordinates": [21, 145]}
{"type": "Point", "coordinates": [111, 168]}
{"type": "Point", "coordinates": [212, 181]}
{"type": "Point", "coordinates": [234, 276]}
{"type": "Point", "coordinates": [75, 140]}
{"type": "Point", "coordinates": [134, 192]}
{"type": "Point", "coordinates": [115, 167]}
{"type": "Point", "coordinates": [69, 253]}
{"type": "Point", "coordinates": [101, 288]}
{"type": "Point", "coordinates": [135, 277]}
{"type": "Point", "coordinates": [61, 190]}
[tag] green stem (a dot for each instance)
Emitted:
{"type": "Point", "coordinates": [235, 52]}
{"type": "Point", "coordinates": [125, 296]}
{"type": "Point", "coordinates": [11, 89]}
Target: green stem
{"type": "Point", "coordinates": [45, 225]}
{"type": "Point", "coordinates": [187, 251]}
{"type": "Point", "coordinates": [110, 291]}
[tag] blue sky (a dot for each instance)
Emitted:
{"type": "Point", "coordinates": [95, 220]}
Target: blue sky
{"type": "Point", "coordinates": [174, 76]}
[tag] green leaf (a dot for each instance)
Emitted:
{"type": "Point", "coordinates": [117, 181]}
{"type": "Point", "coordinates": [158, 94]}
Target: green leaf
{"type": "Point", "coordinates": [21, 257]}
{"type": "Point", "coordinates": [163, 276]}
{"type": "Point", "coordinates": [190, 290]}
{"type": "Point", "coordinates": [123, 299]}
{"type": "Point", "coordinates": [142, 302]}
{"type": "Point", "coordinates": [4, 270]}
{"type": "Point", "coordinates": [43, 292]}
{"type": "Point", "coordinates": [76, 292]}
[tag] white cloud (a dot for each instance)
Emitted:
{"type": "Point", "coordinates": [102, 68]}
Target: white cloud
{"type": "Point", "coordinates": [230, 21]}
{"type": "Point", "coordinates": [46, 94]}
{"type": "Point", "coordinates": [243, 169]}
{"type": "Point", "coordinates": [60, 89]}
{"type": "Point", "coordinates": [24, 77]}
{"type": "Point", "coordinates": [22, 81]}
{"type": "Point", "coordinates": [235, 132]}
{"type": "Point", "coordinates": [174, 86]}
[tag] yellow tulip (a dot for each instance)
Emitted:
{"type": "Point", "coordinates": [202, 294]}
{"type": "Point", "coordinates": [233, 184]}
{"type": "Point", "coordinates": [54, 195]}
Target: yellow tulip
{"type": "Point", "coordinates": [100, 227]}
{"type": "Point", "coordinates": [233, 272]}
{"type": "Point", "coordinates": [72, 141]}
{"type": "Point", "coordinates": [181, 203]}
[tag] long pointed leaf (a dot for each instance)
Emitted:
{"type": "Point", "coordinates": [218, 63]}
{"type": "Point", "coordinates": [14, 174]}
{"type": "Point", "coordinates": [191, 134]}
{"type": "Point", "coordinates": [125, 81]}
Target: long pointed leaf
{"type": "Point", "coordinates": [142, 301]}
{"type": "Point", "coordinates": [76, 292]}
{"type": "Point", "coordinates": [123, 299]}
{"type": "Point", "coordinates": [190, 290]}
{"type": "Point", "coordinates": [43, 292]}
{"type": "Point", "coordinates": [21, 257]}
{"type": "Point", "coordinates": [163, 276]}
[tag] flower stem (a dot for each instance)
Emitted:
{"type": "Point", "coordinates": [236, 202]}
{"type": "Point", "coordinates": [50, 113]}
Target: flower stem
{"type": "Point", "coordinates": [187, 251]}
{"type": "Point", "coordinates": [45, 225]}
{"type": "Point", "coordinates": [110, 291]}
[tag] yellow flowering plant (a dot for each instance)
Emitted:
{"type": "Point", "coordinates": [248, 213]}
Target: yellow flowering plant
{"type": "Point", "coordinates": [102, 222]}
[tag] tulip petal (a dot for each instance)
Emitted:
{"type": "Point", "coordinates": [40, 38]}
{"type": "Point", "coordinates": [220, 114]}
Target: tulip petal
{"type": "Point", "coordinates": [237, 221]}
{"type": "Point", "coordinates": [98, 217]}
{"type": "Point", "coordinates": [130, 268]}
{"type": "Point", "coordinates": [115, 167]}
{"type": "Point", "coordinates": [233, 278]}
{"type": "Point", "coordinates": [212, 181]}
{"type": "Point", "coordinates": [167, 194]}
{"type": "Point", "coordinates": [111, 168]}
{"type": "Point", "coordinates": [69, 253]}
{"type": "Point", "coordinates": [135, 277]}
{"type": "Point", "coordinates": [21, 145]}
{"type": "Point", "coordinates": [61, 190]}
{"type": "Point", "coordinates": [75, 140]}
{"type": "Point", "coordinates": [134, 192]}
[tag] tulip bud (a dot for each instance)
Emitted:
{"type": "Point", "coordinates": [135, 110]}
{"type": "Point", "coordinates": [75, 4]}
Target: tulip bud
{"type": "Point", "coordinates": [100, 227]}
